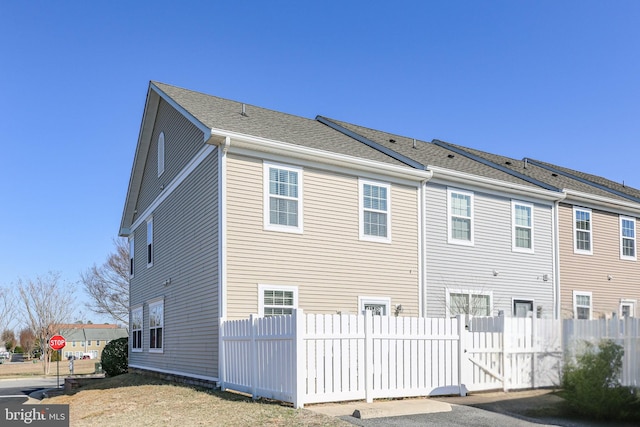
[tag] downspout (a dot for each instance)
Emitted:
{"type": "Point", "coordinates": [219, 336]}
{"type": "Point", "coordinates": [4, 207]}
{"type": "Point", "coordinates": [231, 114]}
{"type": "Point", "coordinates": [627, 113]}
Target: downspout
{"type": "Point", "coordinates": [222, 251]}
{"type": "Point", "coordinates": [422, 243]}
{"type": "Point", "coordinates": [556, 258]}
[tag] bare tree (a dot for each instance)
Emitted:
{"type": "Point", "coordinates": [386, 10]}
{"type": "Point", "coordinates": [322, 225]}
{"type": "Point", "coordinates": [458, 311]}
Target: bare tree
{"type": "Point", "coordinates": [47, 305]}
{"type": "Point", "coordinates": [108, 284]}
{"type": "Point", "coordinates": [27, 341]}
{"type": "Point", "coordinates": [7, 308]}
{"type": "Point", "coordinates": [9, 339]}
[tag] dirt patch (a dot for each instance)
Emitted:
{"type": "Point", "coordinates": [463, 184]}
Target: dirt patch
{"type": "Point", "coordinates": [139, 400]}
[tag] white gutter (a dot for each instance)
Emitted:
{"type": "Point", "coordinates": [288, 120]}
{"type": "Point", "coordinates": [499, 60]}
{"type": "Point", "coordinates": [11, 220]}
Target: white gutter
{"type": "Point", "coordinates": [495, 184]}
{"type": "Point", "coordinates": [621, 206]}
{"type": "Point", "coordinates": [312, 154]}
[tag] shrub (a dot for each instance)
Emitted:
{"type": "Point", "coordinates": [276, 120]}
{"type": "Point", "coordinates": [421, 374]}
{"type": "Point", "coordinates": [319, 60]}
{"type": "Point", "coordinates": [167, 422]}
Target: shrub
{"type": "Point", "coordinates": [592, 384]}
{"type": "Point", "coordinates": [18, 349]}
{"type": "Point", "coordinates": [115, 358]}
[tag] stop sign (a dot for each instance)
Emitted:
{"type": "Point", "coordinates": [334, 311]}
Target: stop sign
{"type": "Point", "coordinates": [57, 342]}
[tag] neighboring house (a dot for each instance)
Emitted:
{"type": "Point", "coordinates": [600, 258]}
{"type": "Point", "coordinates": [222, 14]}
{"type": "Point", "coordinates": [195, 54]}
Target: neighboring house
{"type": "Point", "coordinates": [489, 236]}
{"type": "Point", "coordinates": [234, 209]}
{"type": "Point", "coordinates": [597, 223]}
{"type": "Point", "coordinates": [89, 339]}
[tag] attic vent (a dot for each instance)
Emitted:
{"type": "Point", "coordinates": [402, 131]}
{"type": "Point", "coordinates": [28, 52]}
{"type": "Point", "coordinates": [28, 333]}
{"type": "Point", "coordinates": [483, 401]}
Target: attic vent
{"type": "Point", "coordinates": [244, 110]}
{"type": "Point", "coordinates": [507, 162]}
{"type": "Point", "coordinates": [554, 174]}
{"type": "Point", "coordinates": [414, 143]}
{"type": "Point", "coordinates": [392, 140]}
{"type": "Point", "coordinates": [451, 156]}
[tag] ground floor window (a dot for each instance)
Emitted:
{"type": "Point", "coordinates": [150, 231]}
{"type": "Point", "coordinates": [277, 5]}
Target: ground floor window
{"type": "Point", "coordinates": [136, 329]}
{"type": "Point", "coordinates": [277, 300]}
{"type": "Point", "coordinates": [627, 308]}
{"type": "Point", "coordinates": [378, 306]}
{"type": "Point", "coordinates": [582, 305]}
{"type": "Point", "coordinates": [475, 303]}
{"type": "Point", "coordinates": [522, 308]}
{"type": "Point", "coordinates": [156, 326]}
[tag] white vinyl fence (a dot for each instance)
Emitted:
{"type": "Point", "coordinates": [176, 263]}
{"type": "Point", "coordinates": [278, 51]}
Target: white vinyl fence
{"type": "Point", "coordinates": [624, 332]}
{"type": "Point", "coordinates": [320, 358]}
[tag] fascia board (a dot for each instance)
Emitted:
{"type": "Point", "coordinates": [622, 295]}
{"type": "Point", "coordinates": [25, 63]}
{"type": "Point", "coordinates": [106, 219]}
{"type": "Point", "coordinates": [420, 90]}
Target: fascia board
{"type": "Point", "coordinates": [495, 185]}
{"type": "Point", "coordinates": [602, 203]}
{"type": "Point", "coordinates": [239, 140]}
{"type": "Point", "coordinates": [197, 123]}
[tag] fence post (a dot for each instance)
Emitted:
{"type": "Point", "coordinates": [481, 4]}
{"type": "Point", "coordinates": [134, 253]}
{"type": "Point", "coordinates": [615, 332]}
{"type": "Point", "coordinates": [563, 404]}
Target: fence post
{"type": "Point", "coordinates": [222, 368]}
{"type": "Point", "coordinates": [505, 386]}
{"type": "Point", "coordinates": [299, 358]}
{"type": "Point", "coordinates": [368, 356]}
{"type": "Point", "coordinates": [253, 357]}
{"type": "Point", "coordinates": [462, 354]}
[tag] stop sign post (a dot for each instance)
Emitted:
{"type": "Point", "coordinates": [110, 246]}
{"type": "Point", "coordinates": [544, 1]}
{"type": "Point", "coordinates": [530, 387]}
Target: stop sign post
{"type": "Point", "coordinates": [57, 342]}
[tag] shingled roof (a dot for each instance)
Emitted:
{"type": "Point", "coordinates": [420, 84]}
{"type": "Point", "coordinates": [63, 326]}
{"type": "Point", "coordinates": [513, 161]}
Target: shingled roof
{"type": "Point", "coordinates": [227, 115]}
{"type": "Point", "coordinates": [430, 154]}
{"type": "Point", "coordinates": [532, 170]}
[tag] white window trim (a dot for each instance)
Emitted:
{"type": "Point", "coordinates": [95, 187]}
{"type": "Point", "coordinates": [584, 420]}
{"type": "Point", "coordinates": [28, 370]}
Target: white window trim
{"type": "Point", "coordinates": [469, 292]}
{"type": "Point", "coordinates": [132, 265]}
{"type": "Point", "coordinates": [514, 248]}
{"type": "Point", "coordinates": [160, 154]}
{"type": "Point", "coordinates": [635, 244]}
{"type": "Point", "coordinates": [266, 205]}
{"type": "Point", "coordinates": [387, 186]}
{"type": "Point", "coordinates": [364, 300]}
{"type": "Point", "coordinates": [150, 243]}
{"type": "Point", "coordinates": [263, 287]}
{"type": "Point", "coordinates": [628, 302]}
{"type": "Point", "coordinates": [575, 305]}
{"type": "Point", "coordinates": [137, 309]}
{"type": "Point", "coordinates": [155, 303]}
{"type": "Point", "coordinates": [575, 232]}
{"type": "Point", "coordinates": [450, 238]}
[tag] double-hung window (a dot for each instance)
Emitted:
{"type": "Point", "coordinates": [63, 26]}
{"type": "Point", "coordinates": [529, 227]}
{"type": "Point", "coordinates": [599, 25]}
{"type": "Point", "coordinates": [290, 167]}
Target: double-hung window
{"type": "Point", "coordinates": [375, 211]}
{"type": "Point", "coordinates": [156, 326]}
{"type": "Point", "coordinates": [460, 218]}
{"type": "Point", "coordinates": [150, 242]}
{"type": "Point", "coordinates": [136, 329]}
{"type": "Point", "coordinates": [131, 252]}
{"type": "Point", "coordinates": [582, 231]}
{"type": "Point", "coordinates": [475, 303]}
{"type": "Point", "coordinates": [582, 305]}
{"type": "Point", "coordinates": [522, 226]}
{"type": "Point", "coordinates": [282, 198]}
{"type": "Point", "coordinates": [627, 238]}
{"type": "Point", "coordinates": [277, 300]}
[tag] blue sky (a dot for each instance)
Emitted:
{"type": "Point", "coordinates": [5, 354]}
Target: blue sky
{"type": "Point", "coordinates": [554, 80]}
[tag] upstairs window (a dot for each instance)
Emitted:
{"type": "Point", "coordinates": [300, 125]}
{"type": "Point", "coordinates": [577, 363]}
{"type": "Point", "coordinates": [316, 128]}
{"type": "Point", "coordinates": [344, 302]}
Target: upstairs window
{"type": "Point", "coordinates": [131, 252]}
{"type": "Point", "coordinates": [149, 242]}
{"type": "Point", "coordinates": [522, 226]}
{"type": "Point", "coordinates": [282, 198]}
{"type": "Point", "coordinates": [156, 326]}
{"type": "Point", "coordinates": [160, 154]}
{"type": "Point", "coordinates": [582, 231]}
{"type": "Point", "coordinates": [136, 329]}
{"type": "Point", "coordinates": [277, 300]}
{"type": "Point", "coordinates": [375, 223]}
{"type": "Point", "coordinates": [460, 217]}
{"type": "Point", "coordinates": [627, 238]}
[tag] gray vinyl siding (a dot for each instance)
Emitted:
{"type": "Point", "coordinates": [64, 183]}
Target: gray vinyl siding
{"type": "Point", "coordinates": [186, 253]}
{"type": "Point", "coordinates": [182, 140]}
{"type": "Point", "coordinates": [462, 267]}
{"type": "Point", "coordinates": [589, 273]}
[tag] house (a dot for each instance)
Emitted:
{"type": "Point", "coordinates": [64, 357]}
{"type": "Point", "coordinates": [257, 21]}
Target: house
{"type": "Point", "coordinates": [88, 339]}
{"type": "Point", "coordinates": [489, 235]}
{"type": "Point", "coordinates": [597, 248]}
{"type": "Point", "coordinates": [234, 209]}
